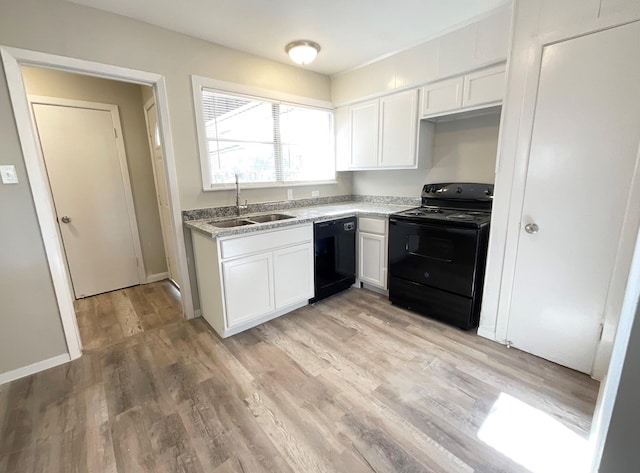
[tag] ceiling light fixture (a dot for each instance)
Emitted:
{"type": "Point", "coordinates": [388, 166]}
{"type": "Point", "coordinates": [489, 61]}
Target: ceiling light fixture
{"type": "Point", "coordinates": [302, 51]}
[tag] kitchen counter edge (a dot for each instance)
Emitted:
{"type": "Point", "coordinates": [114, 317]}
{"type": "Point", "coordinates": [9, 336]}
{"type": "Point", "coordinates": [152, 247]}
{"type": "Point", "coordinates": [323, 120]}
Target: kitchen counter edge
{"type": "Point", "coordinates": [301, 215]}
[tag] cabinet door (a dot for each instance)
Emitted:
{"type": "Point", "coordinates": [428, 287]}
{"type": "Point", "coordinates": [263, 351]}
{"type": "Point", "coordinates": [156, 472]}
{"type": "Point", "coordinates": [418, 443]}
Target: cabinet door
{"type": "Point", "coordinates": [456, 51]}
{"type": "Point", "coordinates": [372, 259]}
{"type": "Point", "coordinates": [398, 123]}
{"type": "Point", "coordinates": [441, 96]}
{"type": "Point", "coordinates": [293, 274]}
{"type": "Point", "coordinates": [248, 288]}
{"type": "Point", "coordinates": [492, 40]}
{"type": "Point", "coordinates": [364, 135]}
{"type": "Point", "coordinates": [484, 87]}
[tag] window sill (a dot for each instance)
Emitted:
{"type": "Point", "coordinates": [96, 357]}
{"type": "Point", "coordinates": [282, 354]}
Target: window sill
{"type": "Point", "coordinates": [268, 185]}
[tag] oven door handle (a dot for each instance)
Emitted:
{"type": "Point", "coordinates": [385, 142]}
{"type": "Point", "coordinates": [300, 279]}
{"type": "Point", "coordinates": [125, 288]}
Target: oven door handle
{"type": "Point", "coordinates": [435, 258]}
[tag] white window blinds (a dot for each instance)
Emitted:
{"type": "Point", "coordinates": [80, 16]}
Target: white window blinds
{"type": "Point", "coordinates": [265, 141]}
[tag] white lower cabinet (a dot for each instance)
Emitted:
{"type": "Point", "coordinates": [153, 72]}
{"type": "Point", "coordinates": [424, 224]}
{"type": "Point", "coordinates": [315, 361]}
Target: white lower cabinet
{"type": "Point", "coordinates": [248, 288]}
{"type": "Point", "coordinates": [293, 272]}
{"type": "Point", "coordinates": [372, 251]}
{"type": "Point", "coordinates": [246, 280]}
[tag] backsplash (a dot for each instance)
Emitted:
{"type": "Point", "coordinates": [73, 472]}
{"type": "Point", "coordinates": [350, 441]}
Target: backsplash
{"type": "Point", "coordinates": [230, 210]}
{"type": "Point", "coordinates": [387, 200]}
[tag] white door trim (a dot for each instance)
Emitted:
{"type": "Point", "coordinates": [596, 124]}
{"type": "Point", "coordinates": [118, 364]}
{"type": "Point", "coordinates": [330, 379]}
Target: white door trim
{"type": "Point", "coordinates": [12, 59]}
{"type": "Point", "coordinates": [122, 159]}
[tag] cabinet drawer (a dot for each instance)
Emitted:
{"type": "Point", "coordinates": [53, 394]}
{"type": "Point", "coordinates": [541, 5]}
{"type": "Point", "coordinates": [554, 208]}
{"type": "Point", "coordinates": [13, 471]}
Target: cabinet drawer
{"type": "Point", "coordinates": [372, 225]}
{"type": "Point", "coordinates": [265, 241]}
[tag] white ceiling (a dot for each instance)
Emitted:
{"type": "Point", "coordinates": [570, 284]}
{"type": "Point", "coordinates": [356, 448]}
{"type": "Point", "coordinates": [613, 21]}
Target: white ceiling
{"type": "Point", "coordinates": [350, 32]}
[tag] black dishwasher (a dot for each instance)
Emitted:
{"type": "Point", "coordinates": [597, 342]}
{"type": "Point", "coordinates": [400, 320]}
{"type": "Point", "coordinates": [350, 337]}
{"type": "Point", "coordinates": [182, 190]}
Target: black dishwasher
{"type": "Point", "coordinates": [335, 256]}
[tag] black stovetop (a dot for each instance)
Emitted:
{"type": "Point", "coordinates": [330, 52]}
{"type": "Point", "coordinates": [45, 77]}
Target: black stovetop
{"type": "Point", "coordinates": [454, 204]}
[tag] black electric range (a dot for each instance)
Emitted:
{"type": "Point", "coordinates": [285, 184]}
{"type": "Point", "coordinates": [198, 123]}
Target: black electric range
{"type": "Point", "coordinates": [437, 252]}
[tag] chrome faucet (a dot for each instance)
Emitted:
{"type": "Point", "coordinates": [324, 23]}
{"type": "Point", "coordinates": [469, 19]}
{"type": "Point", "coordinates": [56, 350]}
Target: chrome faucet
{"type": "Point", "coordinates": [239, 207]}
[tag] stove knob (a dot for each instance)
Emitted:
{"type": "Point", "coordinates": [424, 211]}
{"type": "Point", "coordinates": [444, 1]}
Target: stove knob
{"type": "Point", "coordinates": [459, 190]}
{"type": "Point", "coordinates": [488, 192]}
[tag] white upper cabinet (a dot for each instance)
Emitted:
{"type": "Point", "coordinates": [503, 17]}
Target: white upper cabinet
{"type": "Point", "coordinates": [480, 89]}
{"type": "Point", "coordinates": [484, 87]}
{"type": "Point", "coordinates": [492, 39]}
{"type": "Point", "coordinates": [480, 44]}
{"type": "Point", "coordinates": [398, 125]}
{"type": "Point", "coordinates": [442, 96]}
{"type": "Point", "coordinates": [363, 123]}
{"type": "Point", "coordinates": [457, 51]}
{"type": "Point", "coordinates": [381, 134]}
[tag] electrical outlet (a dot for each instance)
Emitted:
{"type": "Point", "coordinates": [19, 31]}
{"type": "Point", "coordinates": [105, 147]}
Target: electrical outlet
{"type": "Point", "coordinates": [315, 193]}
{"type": "Point", "coordinates": [9, 175]}
{"type": "Point", "coordinates": [289, 194]}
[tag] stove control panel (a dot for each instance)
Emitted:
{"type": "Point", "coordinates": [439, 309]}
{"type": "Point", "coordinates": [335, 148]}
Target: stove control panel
{"type": "Point", "coordinates": [458, 190]}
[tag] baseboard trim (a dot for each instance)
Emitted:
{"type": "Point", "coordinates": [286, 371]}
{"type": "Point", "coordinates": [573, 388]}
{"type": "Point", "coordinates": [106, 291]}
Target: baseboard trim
{"type": "Point", "coordinates": [483, 332]}
{"type": "Point", "coordinates": [34, 368]}
{"type": "Point", "coordinates": [157, 277]}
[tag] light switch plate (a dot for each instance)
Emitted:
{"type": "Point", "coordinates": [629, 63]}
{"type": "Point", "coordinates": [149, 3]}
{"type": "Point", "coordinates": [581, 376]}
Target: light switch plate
{"type": "Point", "coordinates": [315, 193]}
{"type": "Point", "coordinates": [289, 194]}
{"type": "Point", "coordinates": [9, 175]}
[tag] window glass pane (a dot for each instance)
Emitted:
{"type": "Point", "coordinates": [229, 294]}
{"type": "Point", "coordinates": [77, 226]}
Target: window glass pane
{"type": "Point", "coordinates": [264, 141]}
{"type": "Point", "coordinates": [253, 162]}
{"type": "Point", "coordinates": [307, 153]}
{"type": "Point", "coordinates": [304, 125]}
{"type": "Point", "coordinates": [237, 118]}
{"type": "Point", "coordinates": [307, 163]}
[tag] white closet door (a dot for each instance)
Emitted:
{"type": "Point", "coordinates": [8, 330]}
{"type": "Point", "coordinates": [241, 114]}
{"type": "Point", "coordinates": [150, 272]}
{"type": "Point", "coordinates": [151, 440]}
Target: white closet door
{"type": "Point", "coordinates": [88, 187]}
{"type": "Point", "coordinates": [583, 154]}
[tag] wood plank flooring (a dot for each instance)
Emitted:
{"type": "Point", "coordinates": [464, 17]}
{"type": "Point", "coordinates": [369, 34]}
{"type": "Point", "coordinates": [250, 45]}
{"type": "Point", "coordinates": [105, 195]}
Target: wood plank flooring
{"type": "Point", "coordinates": [350, 384]}
{"type": "Point", "coordinates": [109, 318]}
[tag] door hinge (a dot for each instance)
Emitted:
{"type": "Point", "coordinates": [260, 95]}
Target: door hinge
{"type": "Point", "coordinates": [137, 262]}
{"type": "Point", "coordinates": [115, 132]}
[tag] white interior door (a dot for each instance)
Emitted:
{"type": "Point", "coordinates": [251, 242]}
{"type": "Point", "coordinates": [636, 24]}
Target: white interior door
{"type": "Point", "coordinates": [87, 175]}
{"type": "Point", "coordinates": [161, 189]}
{"type": "Point", "coordinates": [582, 159]}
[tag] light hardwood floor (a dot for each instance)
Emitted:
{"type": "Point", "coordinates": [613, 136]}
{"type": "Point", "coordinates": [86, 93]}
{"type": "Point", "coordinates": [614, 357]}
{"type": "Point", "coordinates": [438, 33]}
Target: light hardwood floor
{"type": "Point", "coordinates": [109, 318]}
{"type": "Point", "coordinates": [350, 384]}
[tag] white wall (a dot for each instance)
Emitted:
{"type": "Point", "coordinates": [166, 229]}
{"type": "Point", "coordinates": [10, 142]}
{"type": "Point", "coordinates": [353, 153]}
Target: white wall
{"type": "Point", "coordinates": [464, 150]}
{"type": "Point", "coordinates": [128, 98]}
{"type": "Point", "coordinates": [30, 326]}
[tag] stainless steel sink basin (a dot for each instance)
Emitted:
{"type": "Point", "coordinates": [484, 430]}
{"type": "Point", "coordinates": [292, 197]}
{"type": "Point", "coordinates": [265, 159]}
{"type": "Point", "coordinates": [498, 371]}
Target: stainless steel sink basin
{"type": "Point", "coordinates": [234, 222]}
{"type": "Point", "coordinates": [269, 218]}
{"type": "Point", "coordinates": [239, 222]}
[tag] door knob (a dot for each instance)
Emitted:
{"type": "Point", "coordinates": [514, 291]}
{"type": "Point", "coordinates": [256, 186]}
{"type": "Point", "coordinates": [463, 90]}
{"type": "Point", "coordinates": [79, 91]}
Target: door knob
{"type": "Point", "coordinates": [66, 219]}
{"type": "Point", "coordinates": [531, 228]}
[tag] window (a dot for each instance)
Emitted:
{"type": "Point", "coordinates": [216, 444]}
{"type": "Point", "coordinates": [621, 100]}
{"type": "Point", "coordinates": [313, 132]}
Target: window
{"type": "Point", "coordinates": [264, 141]}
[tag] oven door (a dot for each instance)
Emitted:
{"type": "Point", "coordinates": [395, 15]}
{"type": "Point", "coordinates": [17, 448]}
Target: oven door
{"type": "Point", "coordinates": [439, 256]}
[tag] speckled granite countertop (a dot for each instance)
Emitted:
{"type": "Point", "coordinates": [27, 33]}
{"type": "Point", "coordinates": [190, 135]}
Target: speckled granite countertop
{"type": "Point", "coordinates": [301, 214]}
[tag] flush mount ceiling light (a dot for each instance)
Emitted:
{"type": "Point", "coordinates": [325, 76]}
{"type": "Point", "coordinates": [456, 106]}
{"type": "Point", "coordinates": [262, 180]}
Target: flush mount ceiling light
{"type": "Point", "coordinates": [302, 51]}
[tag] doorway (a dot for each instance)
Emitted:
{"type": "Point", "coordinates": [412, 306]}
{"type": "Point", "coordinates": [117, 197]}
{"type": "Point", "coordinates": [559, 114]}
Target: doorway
{"type": "Point", "coordinates": [99, 170]}
{"type": "Point", "coordinates": [13, 59]}
{"type": "Point", "coordinates": [86, 165]}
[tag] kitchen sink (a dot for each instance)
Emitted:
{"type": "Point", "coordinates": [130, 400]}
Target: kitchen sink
{"type": "Point", "coordinates": [269, 218]}
{"type": "Point", "coordinates": [234, 222]}
{"type": "Point", "coordinates": [239, 222]}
